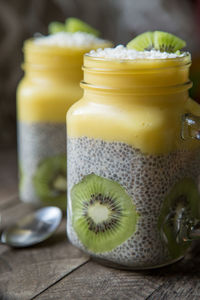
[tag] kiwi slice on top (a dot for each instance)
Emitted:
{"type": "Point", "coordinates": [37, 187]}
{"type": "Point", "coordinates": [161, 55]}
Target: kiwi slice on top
{"type": "Point", "coordinates": [144, 41]}
{"type": "Point", "coordinates": [179, 210]}
{"type": "Point", "coordinates": [55, 27]}
{"type": "Point", "coordinates": [74, 25]}
{"type": "Point", "coordinates": [103, 214]}
{"type": "Point", "coordinates": [167, 42]}
{"type": "Point", "coordinates": [50, 181]}
{"type": "Point", "coordinates": [158, 40]}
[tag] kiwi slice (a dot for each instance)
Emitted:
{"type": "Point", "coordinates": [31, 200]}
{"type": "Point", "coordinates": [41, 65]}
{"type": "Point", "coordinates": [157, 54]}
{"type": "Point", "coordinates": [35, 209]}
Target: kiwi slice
{"type": "Point", "coordinates": [158, 40]}
{"type": "Point", "coordinates": [178, 212]}
{"type": "Point", "coordinates": [55, 27]}
{"type": "Point", "coordinates": [74, 25]}
{"type": "Point", "coordinates": [167, 42]}
{"type": "Point", "coordinates": [144, 41]}
{"type": "Point", "coordinates": [103, 214]}
{"type": "Point", "coordinates": [50, 181]}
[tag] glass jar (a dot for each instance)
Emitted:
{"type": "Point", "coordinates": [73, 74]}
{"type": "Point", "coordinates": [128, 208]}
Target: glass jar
{"type": "Point", "coordinates": [49, 87]}
{"type": "Point", "coordinates": [133, 162]}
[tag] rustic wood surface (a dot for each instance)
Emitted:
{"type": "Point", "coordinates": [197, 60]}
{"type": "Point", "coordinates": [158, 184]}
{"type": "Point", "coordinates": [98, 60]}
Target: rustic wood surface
{"type": "Point", "coordinates": [56, 270]}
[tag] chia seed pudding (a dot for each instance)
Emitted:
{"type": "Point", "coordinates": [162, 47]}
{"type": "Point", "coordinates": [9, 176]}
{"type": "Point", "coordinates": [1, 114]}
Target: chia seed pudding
{"type": "Point", "coordinates": [39, 143]}
{"type": "Point", "coordinates": [147, 179]}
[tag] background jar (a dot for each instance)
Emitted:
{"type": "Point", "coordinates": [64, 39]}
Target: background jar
{"type": "Point", "coordinates": [49, 87]}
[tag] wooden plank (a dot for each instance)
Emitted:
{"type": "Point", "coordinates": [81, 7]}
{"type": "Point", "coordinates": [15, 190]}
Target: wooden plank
{"type": "Point", "coordinates": [181, 279]}
{"type": "Point", "coordinates": [93, 281]}
{"type": "Point", "coordinates": [8, 202]}
{"type": "Point", "coordinates": [183, 288]}
{"type": "Point", "coordinates": [13, 210]}
{"type": "Point", "coordinates": [27, 272]}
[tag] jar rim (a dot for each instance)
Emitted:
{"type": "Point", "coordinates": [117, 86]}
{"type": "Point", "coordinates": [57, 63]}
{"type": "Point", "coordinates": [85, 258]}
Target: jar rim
{"type": "Point", "coordinates": [140, 64]}
{"type": "Point", "coordinates": [187, 54]}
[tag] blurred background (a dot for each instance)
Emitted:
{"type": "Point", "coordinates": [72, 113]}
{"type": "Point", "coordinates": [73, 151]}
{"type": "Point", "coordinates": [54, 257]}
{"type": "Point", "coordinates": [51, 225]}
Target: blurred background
{"type": "Point", "coordinates": [118, 20]}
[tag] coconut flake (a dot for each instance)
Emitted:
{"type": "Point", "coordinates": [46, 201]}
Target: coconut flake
{"type": "Point", "coordinates": [121, 52]}
{"type": "Point", "coordinates": [67, 39]}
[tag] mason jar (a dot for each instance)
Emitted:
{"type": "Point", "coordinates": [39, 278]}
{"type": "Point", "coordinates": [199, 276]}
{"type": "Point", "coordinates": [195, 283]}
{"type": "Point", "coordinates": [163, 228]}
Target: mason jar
{"type": "Point", "coordinates": [133, 162]}
{"type": "Point", "coordinates": [49, 87]}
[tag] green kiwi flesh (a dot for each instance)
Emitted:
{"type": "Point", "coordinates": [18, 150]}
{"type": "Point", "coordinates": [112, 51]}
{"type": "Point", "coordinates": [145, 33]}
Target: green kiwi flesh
{"type": "Point", "coordinates": [181, 206]}
{"type": "Point", "coordinates": [50, 181]}
{"type": "Point", "coordinates": [142, 42]}
{"type": "Point", "coordinates": [158, 40]}
{"type": "Point", "coordinates": [167, 42]}
{"type": "Point", "coordinates": [55, 27]}
{"type": "Point", "coordinates": [72, 25]}
{"type": "Point", "coordinates": [103, 214]}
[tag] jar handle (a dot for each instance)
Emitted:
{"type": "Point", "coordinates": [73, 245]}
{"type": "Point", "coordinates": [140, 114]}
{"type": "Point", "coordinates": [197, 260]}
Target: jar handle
{"type": "Point", "coordinates": [187, 230]}
{"type": "Point", "coordinates": [190, 127]}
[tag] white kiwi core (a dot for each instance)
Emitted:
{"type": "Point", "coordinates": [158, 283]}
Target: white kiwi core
{"type": "Point", "coordinates": [98, 213]}
{"type": "Point", "coordinates": [60, 183]}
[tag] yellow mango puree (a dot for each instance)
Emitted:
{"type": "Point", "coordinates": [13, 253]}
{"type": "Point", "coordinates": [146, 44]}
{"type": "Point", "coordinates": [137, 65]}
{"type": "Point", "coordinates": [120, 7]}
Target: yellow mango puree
{"type": "Point", "coordinates": [51, 82]}
{"type": "Point", "coordinates": [138, 102]}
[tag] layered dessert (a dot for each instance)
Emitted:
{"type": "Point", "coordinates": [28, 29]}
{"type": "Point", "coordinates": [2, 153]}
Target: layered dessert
{"type": "Point", "coordinates": [132, 179]}
{"type": "Point", "coordinates": [50, 86]}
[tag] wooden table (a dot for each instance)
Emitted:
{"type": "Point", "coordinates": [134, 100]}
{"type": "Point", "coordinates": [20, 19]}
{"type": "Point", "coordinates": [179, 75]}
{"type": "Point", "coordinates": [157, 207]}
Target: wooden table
{"type": "Point", "coordinates": [56, 270]}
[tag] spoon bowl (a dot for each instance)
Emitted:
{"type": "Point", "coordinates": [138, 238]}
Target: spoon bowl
{"type": "Point", "coordinates": [33, 228]}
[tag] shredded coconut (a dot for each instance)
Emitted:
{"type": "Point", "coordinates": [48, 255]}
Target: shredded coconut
{"type": "Point", "coordinates": [121, 52]}
{"type": "Point", "coordinates": [67, 39]}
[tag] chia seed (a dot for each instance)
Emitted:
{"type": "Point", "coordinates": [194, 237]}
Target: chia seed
{"type": "Point", "coordinates": [37, 141]}
{"type": "Point", "coordinates": [146, 178]}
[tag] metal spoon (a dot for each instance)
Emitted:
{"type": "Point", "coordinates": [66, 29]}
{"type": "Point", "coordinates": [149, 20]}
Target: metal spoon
{"type": "Point", "coordinates": [33, 228]}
